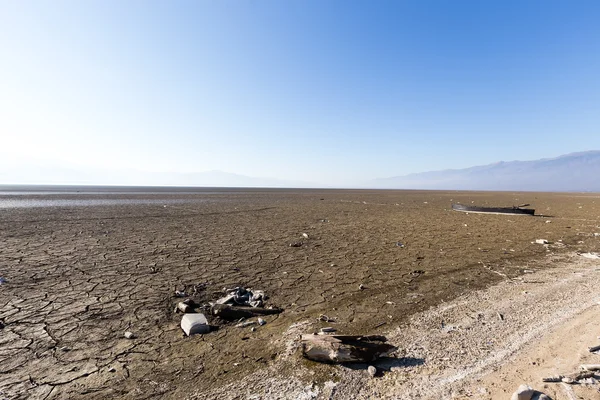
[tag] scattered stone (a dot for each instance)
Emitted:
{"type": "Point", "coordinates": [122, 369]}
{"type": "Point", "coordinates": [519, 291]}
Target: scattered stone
{"type": "Point", "coordinates": [252, 329]}
{"type": "Point", "coordinates": [541, 241]}
{"type": "Point", "coordinates": [183, 307]}
{"type": "Point", "coordinates": [262, 322]}
{"type": "Point", "coordinates": [245, 324]}
{"type": "Point", "coordinates": [129, 335]}
{"type": "Point", "coordinates": [305, 235]}
{"type": "Point", "coordinates": [372, 371]}
{"type": "Point", "coordinates": [568, 380]}
{"type": "Point", "coordinates": [361, 287]}
{"type": "Point", "coordinates": [399, 244]}
{"type": "Point", "coordinates": [548, 221]}
{"type": "Point", "coordinates": [2, 280]}
{"type": "Point", "coordinates": [524, 392]}
{"type": "Point", "coordinates": [194, 323]}
{"type": "Point", "coordinates": [179, 293]}
{"type": "Point", "coordinates": [112, 369]}
{"type": "Point", "coordinates": [296, 244]}
{"type": "Point", "coordinates": [328, 329]}
{"type": "Point", "coordinates": [325, 318]}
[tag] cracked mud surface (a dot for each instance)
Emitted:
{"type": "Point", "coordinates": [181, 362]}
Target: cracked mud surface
{"type": "Point", "coordinates": [79, 276]}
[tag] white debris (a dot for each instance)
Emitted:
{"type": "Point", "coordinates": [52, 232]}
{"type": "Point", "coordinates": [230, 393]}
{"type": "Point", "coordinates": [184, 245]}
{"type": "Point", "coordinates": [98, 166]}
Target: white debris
{"type": "Point", "coordinates": [372, 371]}
{"type": "Point", "coordinates": [593, 256]}
{"type": "Point", "coordinates": [261, 322]}
{"type": "Point", "coordinates": [305, 235]}
{"type": "Point", "coordinates": [524, 392]}
{"type": "Point", "coordinates": [194, 323]}
{"type": "Point", "coordinates": [129, 335]}
{"type": "Point", "coordinates": [541, 241]}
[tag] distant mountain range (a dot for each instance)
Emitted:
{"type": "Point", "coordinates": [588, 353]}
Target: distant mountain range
{"type": "Point", "coordinates": [575, 172]}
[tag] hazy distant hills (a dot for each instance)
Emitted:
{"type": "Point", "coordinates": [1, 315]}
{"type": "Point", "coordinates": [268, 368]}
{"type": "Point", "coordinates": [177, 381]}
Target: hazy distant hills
{"type": "Point", "coordinates": [56, 175]}
{"type": "Point", "coordinates": [576, 172]}
{"type": "Point", "coordinates": [570, 172]}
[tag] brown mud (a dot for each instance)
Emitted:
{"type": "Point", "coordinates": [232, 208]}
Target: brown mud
{"type": "Point", "coordinates": [79, 277]}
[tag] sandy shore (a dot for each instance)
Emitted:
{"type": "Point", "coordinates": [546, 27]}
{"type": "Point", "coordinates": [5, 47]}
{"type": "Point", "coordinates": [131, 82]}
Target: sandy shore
{"type": "Point", "coordinates": [78, 277]}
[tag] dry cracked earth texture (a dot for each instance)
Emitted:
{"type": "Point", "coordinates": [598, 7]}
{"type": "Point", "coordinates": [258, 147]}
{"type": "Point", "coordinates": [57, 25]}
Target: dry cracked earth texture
{"type": "Point", "coordinates": [79, 274]}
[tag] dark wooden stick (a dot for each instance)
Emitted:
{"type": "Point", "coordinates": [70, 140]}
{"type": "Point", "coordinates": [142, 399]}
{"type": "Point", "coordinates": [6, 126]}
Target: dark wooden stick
{"type": "Point", "coordinates": [232, 313]}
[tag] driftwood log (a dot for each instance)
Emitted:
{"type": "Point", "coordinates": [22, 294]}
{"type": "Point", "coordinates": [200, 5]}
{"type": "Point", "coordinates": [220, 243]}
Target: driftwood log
{"type": "Point", "coordinates": [232, 313]}
{"type": "Point", "coordinates": [590, 367]}
{"type": "Point", "coordinates": [344, 349]}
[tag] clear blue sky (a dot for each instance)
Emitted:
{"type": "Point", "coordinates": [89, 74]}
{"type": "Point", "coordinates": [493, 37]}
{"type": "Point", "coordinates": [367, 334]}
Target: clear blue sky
{"type": "Point", "coordinates": [323, 91]}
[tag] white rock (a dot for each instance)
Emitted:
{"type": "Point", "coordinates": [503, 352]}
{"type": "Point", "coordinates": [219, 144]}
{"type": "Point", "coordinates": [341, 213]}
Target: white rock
{"type": "Point", "coordinates": [245, 324]}
{"type": "Point", "coordinates": [184, 308]}
{"type": "Point", "coordinates": [541, 241]}
{"type": "Point", "coordinates": [524, 392]}
{"type": "Point", "coordinates": [129, 335]}
{"type": "Point", "coordinates": [372, 371]}
{"type": "Point", "coordinates": [194, 323]}
{"type": "Point", "coordinates": [261, 322]}
{"type": "Point", "coordinates": [305, 235]}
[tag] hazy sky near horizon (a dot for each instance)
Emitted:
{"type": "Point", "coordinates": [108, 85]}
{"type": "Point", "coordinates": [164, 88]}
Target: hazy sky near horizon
{"type": "Point", "coordinates": [331, 92]}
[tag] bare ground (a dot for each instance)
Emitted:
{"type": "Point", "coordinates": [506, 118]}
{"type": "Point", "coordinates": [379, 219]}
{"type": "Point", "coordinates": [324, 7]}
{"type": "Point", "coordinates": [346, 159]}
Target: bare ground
{"type": "Point", "coordinates": [79, 277]}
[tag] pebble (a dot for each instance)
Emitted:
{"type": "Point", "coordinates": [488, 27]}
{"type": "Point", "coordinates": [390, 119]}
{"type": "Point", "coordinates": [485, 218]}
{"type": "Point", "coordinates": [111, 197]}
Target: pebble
{"type": "Point", "coordinates": [524, 392]}
{"type": "Point", "coordinates": [183, 307]}
{"type": "Point", "coordinates": [361, 286]}
{"type": "Point", "coordinates": [305, 235]}
{"type": "Point", "coordinates": [179, 293]}
{"type": "Point", "coordinates": [328, 329]}
{"type": "Point", "coordinates": [245, 324]}
{"type": "Point", "coordinates": [112, 369]}
{"type": "Point", "coordinates": [372, 371]}
{"type": "Point", "coordinates": [541, 241]}
{"type": "Point", "coordinates": [129, 335]}
{"type": "Point", "coordinates": [262, 322]}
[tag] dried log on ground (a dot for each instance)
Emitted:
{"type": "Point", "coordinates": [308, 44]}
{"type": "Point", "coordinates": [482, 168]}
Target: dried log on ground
{"type": "Point", "coordinates": [342, 349]}
{"type": "Point", "coordinates": [232, 313]}
{"type": "Point", "coordinates": [590, 367]}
